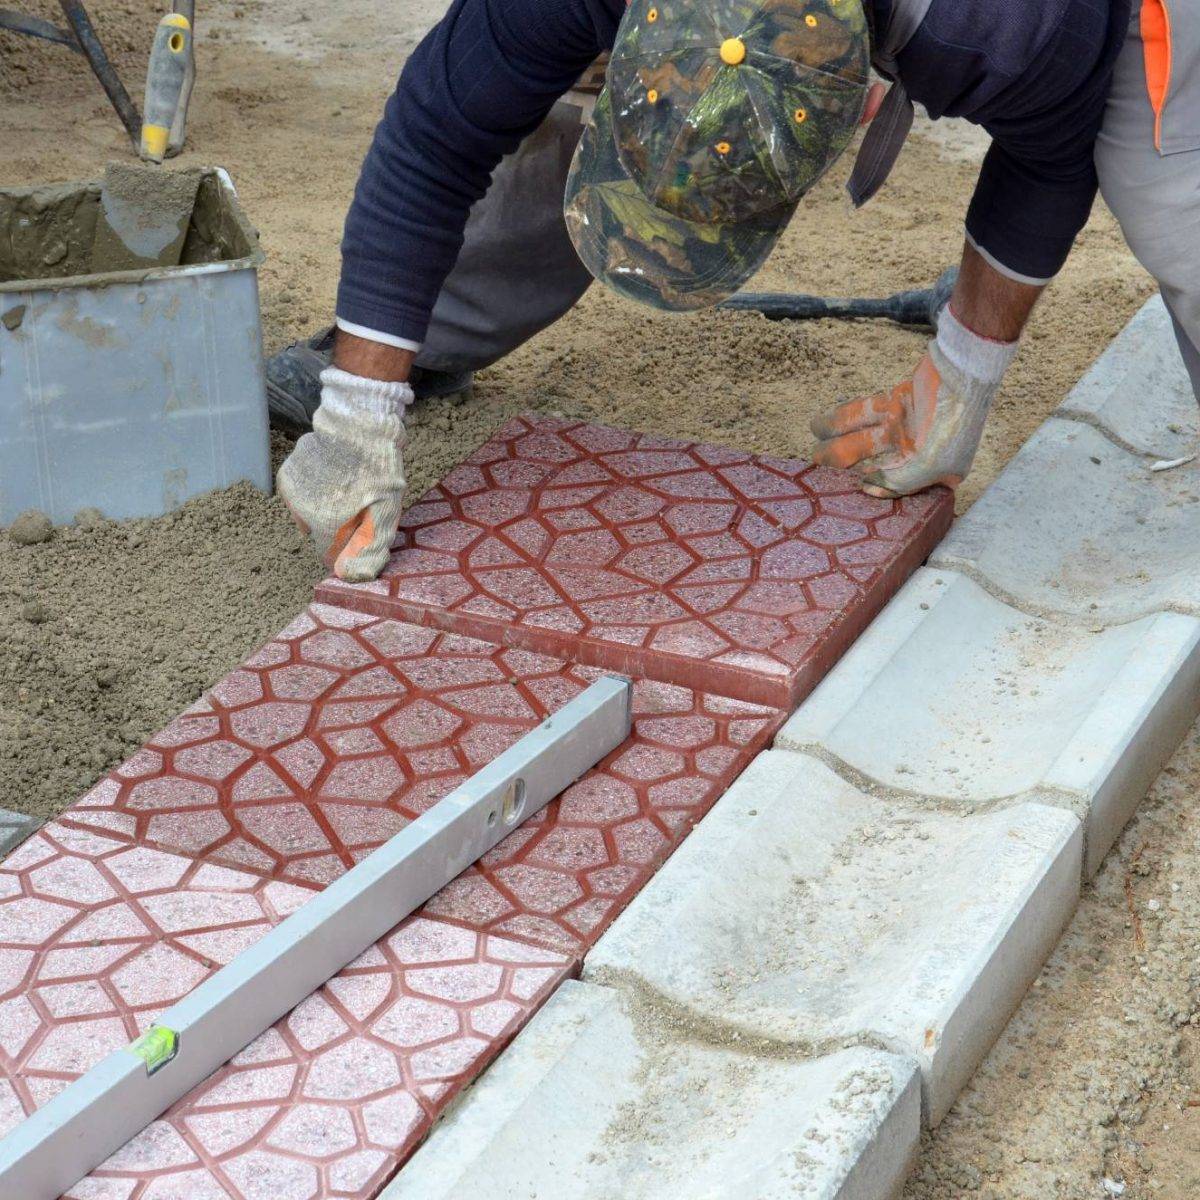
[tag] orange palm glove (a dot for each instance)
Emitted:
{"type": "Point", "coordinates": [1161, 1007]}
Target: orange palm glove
{"type": "Point", "coordinates": [926, 430]}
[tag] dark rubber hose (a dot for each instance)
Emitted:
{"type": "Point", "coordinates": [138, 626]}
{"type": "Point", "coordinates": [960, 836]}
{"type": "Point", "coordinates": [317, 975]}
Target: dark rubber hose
{"type": "Point", "coordinates": [917, 308]}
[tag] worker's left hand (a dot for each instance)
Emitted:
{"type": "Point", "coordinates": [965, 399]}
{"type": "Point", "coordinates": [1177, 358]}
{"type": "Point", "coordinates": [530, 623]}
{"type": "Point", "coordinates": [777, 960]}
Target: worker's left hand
{"type": "Point", "coordinates": [344, 481]}
{"type": "Point", "coordinates": [926, 430]}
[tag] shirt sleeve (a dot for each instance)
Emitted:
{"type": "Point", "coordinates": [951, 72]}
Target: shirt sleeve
{"type": "Point", "coordinates": [483, 79]}
{"type": "Point", "coordinates": [1035, 76]}
{"type": "Point", "coordinates": [1025, 214]}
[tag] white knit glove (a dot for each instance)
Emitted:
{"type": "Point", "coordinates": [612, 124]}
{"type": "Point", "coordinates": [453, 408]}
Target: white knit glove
{"type": "Point", "coordinates": [344, 481]}
{"type": "Point", "coordinates": [926, 430]}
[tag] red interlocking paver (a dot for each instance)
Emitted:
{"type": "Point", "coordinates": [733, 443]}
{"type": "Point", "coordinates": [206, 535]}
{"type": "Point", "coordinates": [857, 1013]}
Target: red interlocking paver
{"type": "Point", "coordinates": [345, 727]}
{"type": "Point", "coordinates": [726, 584]}
{"type": "Point", "coordinates": [97, 938]}
{"type": "Point", "coordinates": [327, 1102]}
{"type": "Point", "coordinates": [738, 574]}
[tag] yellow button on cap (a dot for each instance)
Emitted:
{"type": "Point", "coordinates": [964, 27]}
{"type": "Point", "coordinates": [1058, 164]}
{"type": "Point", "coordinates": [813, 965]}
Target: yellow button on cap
{"type": "Point", "coordinates": [733, 50]}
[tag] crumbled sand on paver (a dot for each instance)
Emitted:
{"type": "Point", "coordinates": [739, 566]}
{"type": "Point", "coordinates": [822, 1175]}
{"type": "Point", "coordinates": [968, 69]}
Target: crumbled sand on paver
{"type": "Point", "coordinates": [1086, 1077]}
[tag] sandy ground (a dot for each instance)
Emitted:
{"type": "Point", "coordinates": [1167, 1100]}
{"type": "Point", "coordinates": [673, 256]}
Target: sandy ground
{"type": "Point", "coordinates": [107, 630]}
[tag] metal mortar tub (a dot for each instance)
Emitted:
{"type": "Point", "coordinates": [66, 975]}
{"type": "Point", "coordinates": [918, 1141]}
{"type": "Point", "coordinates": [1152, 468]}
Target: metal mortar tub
{"type": "Point", "coordinates": [129, 391]}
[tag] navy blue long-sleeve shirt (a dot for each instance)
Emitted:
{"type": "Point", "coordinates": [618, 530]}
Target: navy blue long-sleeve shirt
{"type": "Point", "coordinates": [1033, 73]}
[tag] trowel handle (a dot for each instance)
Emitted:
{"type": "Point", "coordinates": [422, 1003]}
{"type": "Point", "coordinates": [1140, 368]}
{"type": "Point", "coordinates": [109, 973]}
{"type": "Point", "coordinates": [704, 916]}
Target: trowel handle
{"type": "Point", "coordinates": [165, 77]}
{"type": "Point", "coordinates": [186, 8]}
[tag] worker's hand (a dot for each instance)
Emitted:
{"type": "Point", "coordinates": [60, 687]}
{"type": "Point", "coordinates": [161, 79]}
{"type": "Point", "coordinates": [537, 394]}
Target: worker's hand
{"type": "Point", "coordinates": [926, 430]}
{"type": "Point", "coordinates": [344, 482]}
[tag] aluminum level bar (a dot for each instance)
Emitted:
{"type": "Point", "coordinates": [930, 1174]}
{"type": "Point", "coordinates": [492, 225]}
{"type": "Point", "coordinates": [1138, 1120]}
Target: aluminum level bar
{"type": "Point", "coordinates": [56, 1147]}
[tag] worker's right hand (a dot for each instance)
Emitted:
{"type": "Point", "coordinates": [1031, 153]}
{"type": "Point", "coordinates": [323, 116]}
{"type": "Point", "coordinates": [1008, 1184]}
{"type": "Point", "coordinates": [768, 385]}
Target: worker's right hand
{"type": "Point", "coordinates": [344, 481]}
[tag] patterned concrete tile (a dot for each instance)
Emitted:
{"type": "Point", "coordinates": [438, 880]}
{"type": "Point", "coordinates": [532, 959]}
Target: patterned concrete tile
{"type": "Point", "coordinates": [698, 565]}
{"type": "Point", "coordinates": [563, 876]}
{"type": "Point", "coordinates": [97, 937]}
{"type": "Point", "coordinates": [869, 920]}
{"type": "Point", "coordinates": [346, 727]}
{"type": "Point", "coordinates": [327, 1102]}
{"type": "Point", "coordinates": [599, 1098]}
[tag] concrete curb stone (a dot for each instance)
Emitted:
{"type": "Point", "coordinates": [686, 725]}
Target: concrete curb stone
{"type": "Point", "coordinates": [1006, 706]}
{"type": "Point", "coordinates": [1142, 362]}
{"type": "Point", "coordinates": [602, 1098]}
{"type": "Point", "coordinates": [1078, 528]}
{"type": "Point", "coordinates": [808, 913]}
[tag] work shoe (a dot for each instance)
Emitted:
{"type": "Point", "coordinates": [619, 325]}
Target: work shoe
{"type": "Point", "coordinates": [294, 382]}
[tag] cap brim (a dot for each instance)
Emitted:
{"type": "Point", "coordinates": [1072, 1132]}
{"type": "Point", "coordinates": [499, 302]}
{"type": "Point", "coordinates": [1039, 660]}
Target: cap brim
{"type": "Point", "coordinates": [644, 252]}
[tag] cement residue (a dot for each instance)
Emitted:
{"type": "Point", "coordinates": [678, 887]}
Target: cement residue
{"type": "Point", "coordinates": [698, 1075]}
{"type": "Point", "coordinates": [30, 528]}
{"type": "Point", "coordinates": [144, 216]}
{"type": "Point", "coordinates": [47, 232]}
{"type": "Point", "coordinates": [140, 219]}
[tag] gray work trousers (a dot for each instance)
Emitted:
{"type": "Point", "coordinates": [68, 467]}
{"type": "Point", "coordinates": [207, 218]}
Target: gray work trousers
{"type": "Point", "coordinates": [517, 272]}
{"type": "Point", "coordinates": [1148, 157]}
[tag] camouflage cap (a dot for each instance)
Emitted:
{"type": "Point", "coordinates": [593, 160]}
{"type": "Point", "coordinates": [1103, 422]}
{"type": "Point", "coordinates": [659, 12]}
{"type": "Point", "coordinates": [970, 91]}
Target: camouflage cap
{"type": "Point", "coordinates": [644, 252]}
{"type": "Point", "coordinates": [721, 114]}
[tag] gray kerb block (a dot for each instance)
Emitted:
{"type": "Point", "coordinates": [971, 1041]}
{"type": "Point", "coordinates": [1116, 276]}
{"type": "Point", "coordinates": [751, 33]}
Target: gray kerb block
{"type": "Point", "coordinates": [803, 911]}
{"type": "Point", "coordinates": [954, 695]}
{"type": "Point", "coordinates": [1138, 390]}
{"type": "Point", "coordinates": [603, 1098]}
{"type": "Point", "coordinates": [1078, 527]}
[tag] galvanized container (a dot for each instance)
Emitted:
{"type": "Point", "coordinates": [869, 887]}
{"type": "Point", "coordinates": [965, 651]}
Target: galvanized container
{"type": "Point", "coordinates": [130, 391]}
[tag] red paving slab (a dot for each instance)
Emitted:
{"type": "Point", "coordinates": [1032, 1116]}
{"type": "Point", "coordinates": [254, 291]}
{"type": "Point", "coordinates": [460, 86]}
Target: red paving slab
{"type": "Point", "coordinates": [345, 727]}
{"type": "Point", "coordinates": [737, 574]}
{"type": "Point", "coordinates": [98, 937]}
{"type": "Point", "coordinates": [329, 1101]}
{"type": "Point", "coordinates": [705, 573]}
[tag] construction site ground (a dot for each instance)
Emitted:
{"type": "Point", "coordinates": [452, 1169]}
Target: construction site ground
{"type": "Point", "coordinates": [107, 630]}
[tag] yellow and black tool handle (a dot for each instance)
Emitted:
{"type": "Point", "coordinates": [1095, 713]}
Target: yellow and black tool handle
{"type": "Point", "coordinates": [165, 78]}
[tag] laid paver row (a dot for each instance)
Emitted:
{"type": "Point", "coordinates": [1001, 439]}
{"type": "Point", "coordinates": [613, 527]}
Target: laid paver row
{"type": "Point", "coordinates": [890, 878]}
{"type": "Point", "coordinates": [745, 575]}
{"type": "Point", "coordinates": [347, 725]}
{"type": "Point", "coordinates": [323, 744]}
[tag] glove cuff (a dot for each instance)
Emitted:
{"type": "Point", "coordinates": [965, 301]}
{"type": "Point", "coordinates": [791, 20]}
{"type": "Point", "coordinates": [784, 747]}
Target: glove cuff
{"type": "Point", "coordinates": [976, 357]}
{"type": "Point", "coordinates": [353, 396]}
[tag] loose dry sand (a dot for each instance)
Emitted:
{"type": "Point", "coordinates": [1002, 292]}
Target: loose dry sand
{"type": "Point", "coordinates": [108, 630]}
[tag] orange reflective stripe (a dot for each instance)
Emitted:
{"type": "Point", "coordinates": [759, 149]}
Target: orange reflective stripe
{"type": "Point", "coordinates": [1156, 42]}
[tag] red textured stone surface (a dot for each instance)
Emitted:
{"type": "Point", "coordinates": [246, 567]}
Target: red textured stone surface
{"type": "Point", "coordinates": [98, 937]}
{"type": "Point", "coordinates": [742, 575]}
{"type": "Point", "coordinates": [565, 874]}
{"type": "Point", "coordinates": [345, 727]}
{"type": "Point", "coordinates": [328, 1102]}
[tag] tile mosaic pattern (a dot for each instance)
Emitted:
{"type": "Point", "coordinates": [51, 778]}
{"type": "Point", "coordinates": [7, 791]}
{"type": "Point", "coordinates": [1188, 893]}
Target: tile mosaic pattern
{"type": "Point", "coordinates": [565, 874]}
{"type": "Point", "coordinates": [733, 573]}
{"type": "Point", "coordinates": [345, 727]}
{"type": "Point", "coordinates": [726, 584]}
{"type": "Point", "coordinates": [328, 1101]}
{"type": "Point", "coordinates": [98, 937]}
